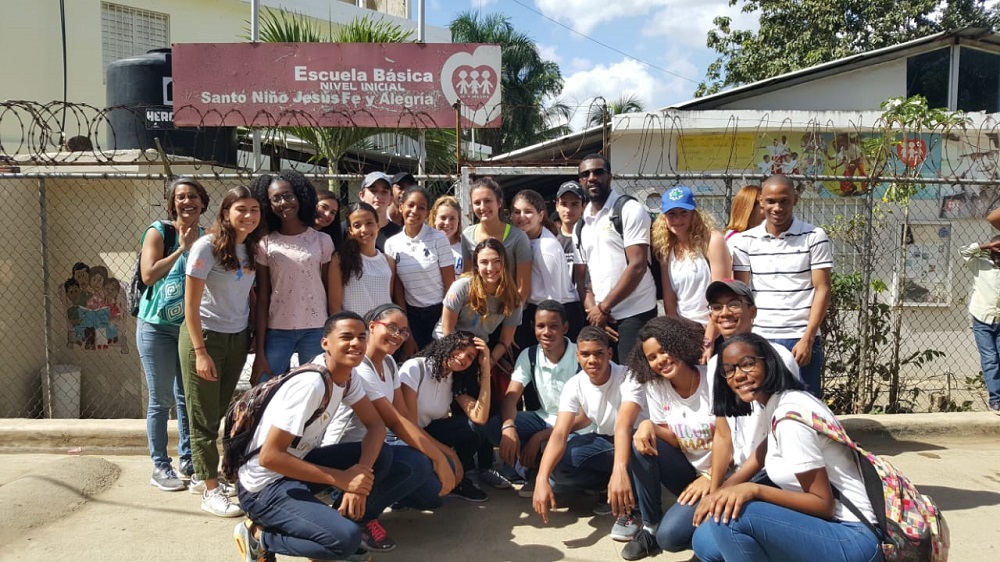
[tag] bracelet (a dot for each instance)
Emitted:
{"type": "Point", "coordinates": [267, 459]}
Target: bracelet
{"type": "Point", "coordinates": [707, 475]}
{"type": "Point", "coordinates": [508, 426]}
{"type": "Point", "coordinates": [600, 307]}
{"type": "Point", "coordinates": [707, 343]}
{"type": "Point", "coordinates": [197, 348]}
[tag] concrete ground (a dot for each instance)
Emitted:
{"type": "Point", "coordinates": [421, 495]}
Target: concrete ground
{"type": "Point", "coordinates": [87, 506]}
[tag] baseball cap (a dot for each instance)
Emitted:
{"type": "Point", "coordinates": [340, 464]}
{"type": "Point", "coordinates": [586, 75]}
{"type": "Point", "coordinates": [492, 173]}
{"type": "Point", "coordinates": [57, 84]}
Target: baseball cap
{"type": "Point", "coordinates": [373, 177]}
{"type": "Point", "coordinates": [738, 288]}
{"type": "Point", "coordinates": [570, 187]}
{"type": "Point", "coordinates": [677, 197]}
{"type": "Point", "coordinates": [403, 177]}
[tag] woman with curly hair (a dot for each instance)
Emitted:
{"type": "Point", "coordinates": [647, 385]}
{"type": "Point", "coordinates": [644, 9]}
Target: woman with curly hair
{"type": "Point", "coordinates": [446, 217]}
{"type": "Point", "coordinates": [292, 262]}
{"type": "Point", "coordinates": [446, 389]}
{"type": "Point", "coordinates": [692, 254]}
{"type": "Point", "coordinates": [550, 279]}
{"type": "Point", "coordinates": [673, 447]}
{"type": "Point", "coordinates": [487, 204]}
{"type": "Point", "coordinates": [361, 276]}
{"type": "Point", "coordinates": [156, 338]}
{"type": "Point", "coordinates": [806, 513]}
{"type": "Point", "coordinates": [215, 336]}
{"type": "Point", "coordinates": [328, 216]}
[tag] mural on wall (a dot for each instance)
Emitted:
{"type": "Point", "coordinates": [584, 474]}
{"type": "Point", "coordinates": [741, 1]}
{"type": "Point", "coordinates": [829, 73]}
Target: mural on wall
{"type": "Point", "coordinates": [971, 157]}
{"type": "Point", "coordinates": [928, 265]}
{"type": "Point", "coordinates": [811, 153]}
{"type": "Point", "coordinates": [94, 305]}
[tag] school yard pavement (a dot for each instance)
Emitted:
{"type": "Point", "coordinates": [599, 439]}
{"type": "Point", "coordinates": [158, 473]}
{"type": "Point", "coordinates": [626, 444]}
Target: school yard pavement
{"type": "Point", "coordinates": [96, 502]}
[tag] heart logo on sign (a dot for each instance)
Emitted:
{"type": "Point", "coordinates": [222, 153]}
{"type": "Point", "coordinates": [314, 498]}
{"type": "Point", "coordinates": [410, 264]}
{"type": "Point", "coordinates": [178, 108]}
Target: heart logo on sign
{"type": "Point", "coordinates": [474, 80]}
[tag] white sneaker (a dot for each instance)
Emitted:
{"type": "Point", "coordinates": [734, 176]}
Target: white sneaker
{"type": "Point", "coordinates": [218, 503]}
{"type": "Point", "coordinates": [198, 486]}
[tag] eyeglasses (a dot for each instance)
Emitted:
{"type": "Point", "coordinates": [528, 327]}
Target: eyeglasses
{"type": "Point", "coordinates": [735, 305]}
{"type": "Point", "coordinates": [394, 330]}
{"type": "Point", "coordinates": [596, 172]}
{"type": "Point", "coordinates": [745, 364]}
{"type": "Point", "coordinates": [282, 197]}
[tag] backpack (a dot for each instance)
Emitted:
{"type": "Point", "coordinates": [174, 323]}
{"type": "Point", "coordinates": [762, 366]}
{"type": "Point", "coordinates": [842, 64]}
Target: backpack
{"type": "Point", "coordinates": [910, 524]}
{"type": "Point", "coordinates": [244, 415]}
{"type": "Point", "coordinates": [616, 222]}
{"type": "Point", "coordinates": [136, 288]}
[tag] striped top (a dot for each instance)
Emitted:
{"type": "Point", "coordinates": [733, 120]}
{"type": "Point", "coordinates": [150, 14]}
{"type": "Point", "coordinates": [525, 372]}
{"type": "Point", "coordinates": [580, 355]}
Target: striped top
{"type": "Point", "coordinates": [781, 274]}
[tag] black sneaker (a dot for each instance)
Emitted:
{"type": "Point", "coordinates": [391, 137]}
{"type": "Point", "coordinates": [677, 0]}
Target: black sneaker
{"type": "Point", "coordinates": [186, 468]}
{"type": "Point", "coordinates": [643, 544]}
{"type": "Point", "coordinates": [374, 538]}
{"type": "Point", "coordinates": [469, 492]}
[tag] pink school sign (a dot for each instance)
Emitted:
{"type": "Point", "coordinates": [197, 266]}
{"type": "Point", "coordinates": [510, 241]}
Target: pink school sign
{"type": "Point", "coordinates": [391, 85]}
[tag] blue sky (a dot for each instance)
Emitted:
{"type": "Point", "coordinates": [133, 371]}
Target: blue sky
{"type": "Point", "coordinates": [669, 35]}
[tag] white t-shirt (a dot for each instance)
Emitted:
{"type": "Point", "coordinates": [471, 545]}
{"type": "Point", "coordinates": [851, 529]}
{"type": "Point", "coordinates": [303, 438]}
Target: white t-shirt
{"type": "Point", "coordinates": [600, 403]}
{"type": "Point", "coordinates": [793, 448]}
{"type": "Point", "coordinates": [549, 378]}
{"type": "Point", "coordinates": [419, 261]}
{"type": "Point", "coordinates": [434, 397]}
{"type": "Point", "coordinates": [549, 277]}
{"type": "Point", "coordinates": [690, 418]}
{"type": "Point", "coordinates": [372, 289]}
{"type": "Point", "coordinates": [746, 431]}
{"type": "Point", "coordinates": [456, 251]}
{"type": "Point", "coordinates": [781, 274]}
{"type": "Point", "coordinates": [345, 426]}
{"type": "Point", "coordinates": [603, 250]}
{"type": "Point", "coordinates": [689, 278]}
{"type": "Point", "coordinates": [289, 410]}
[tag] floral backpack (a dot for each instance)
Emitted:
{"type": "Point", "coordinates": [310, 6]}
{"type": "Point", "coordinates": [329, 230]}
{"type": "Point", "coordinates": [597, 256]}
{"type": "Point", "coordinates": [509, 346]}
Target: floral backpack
{"type": "Point", "coordinates": [910, 524]}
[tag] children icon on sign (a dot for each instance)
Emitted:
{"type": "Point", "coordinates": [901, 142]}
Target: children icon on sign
{"type": "Point", "coordinates": [474, 83]}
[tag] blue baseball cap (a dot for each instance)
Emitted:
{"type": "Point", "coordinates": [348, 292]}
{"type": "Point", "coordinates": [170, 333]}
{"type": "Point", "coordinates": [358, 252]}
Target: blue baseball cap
{"type": "Point", "coordinates": [677, 197]}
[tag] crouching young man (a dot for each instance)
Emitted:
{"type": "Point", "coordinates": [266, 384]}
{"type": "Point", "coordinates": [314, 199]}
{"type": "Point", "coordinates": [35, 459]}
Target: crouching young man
{"type": "Point", "coordinates": [276, 487]}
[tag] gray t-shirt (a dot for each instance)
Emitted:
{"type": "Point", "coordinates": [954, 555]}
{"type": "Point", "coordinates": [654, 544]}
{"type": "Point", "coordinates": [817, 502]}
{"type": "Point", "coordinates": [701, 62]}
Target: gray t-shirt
{"type": "Point", "coordinates": [469, 320]}
{"type": "Point", "coordinates": [515, 242]}
{"type": "Point", "coordinates": [225, 304]}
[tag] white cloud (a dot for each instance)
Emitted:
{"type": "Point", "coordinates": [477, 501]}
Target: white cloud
{"type": "Point", "coordinates": [585, 15]}
{"type": "Point", "coordinates": [689, 21]}
{"type": "Point", "coordinates": [580, 64]}
{"type": "Point", "coordinates": [549, 52]}
{"type": "Point", "coordinates": [610, 82]}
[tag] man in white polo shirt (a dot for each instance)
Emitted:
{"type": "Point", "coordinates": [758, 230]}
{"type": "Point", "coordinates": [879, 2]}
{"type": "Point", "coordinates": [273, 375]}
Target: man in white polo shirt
{"type": "Point", "coordinates": [621, 296]}
{"type": "Point", "coordinates": [788, 263]}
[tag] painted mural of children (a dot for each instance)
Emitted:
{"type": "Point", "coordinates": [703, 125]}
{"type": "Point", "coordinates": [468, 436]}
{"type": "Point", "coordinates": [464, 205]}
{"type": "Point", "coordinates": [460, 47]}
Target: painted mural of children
{"type": "Point", "coordinates": [112, 297]}
{"type": "Point", "coordinates": [81, 272]}
{"type": "Point", "coordinates": [98, 276]}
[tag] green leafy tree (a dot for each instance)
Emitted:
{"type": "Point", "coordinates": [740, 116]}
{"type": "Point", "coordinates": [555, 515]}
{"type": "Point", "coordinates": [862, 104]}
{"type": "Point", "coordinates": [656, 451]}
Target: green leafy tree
{"type": "Point", "coordinates": [796, 34]}
{"type": "Point", "coordinates": [625, 103]}
{"type": "Point", "coordinates": [529, 83]}
{"type": "Point", "coordinates": [332, 143]}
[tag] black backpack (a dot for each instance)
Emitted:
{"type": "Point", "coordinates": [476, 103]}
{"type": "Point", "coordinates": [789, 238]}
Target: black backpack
{"type": "Point", "coordinates": [243, 417]}
{"type": "Point", "coordinates": [616, 222]}
{"type": "Point", "coordinates": [136, 288]}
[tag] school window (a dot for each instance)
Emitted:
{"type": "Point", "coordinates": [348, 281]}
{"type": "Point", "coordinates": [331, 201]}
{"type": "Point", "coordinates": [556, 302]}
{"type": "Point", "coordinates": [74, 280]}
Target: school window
{"type": "Point", "coordinates": [978, 80]}
{"type": "Point", "coordinates": [127, 32]}
{"type": "Point", "coordinates": [927, 75]}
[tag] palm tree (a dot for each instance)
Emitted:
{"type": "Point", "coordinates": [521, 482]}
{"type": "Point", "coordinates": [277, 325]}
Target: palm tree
{"type": "Point", "coordinates": [332, 143]}
{"type": "Point", "coordinates": [626, 103]}
{"type": "Point", "coordinates": [529, 83]}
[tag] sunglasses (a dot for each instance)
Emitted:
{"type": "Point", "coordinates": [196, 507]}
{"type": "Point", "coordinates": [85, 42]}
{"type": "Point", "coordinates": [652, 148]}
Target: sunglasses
{"type": "Point", "coordinates": [745, 364]}
{"type": "Point", "coordinates": [596, 172]}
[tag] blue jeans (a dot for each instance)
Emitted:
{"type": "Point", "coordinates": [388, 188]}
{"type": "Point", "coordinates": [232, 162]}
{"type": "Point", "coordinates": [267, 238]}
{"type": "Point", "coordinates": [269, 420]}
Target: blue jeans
{"type": "Point", "coordinates": [767, 532]}
{"type": "Point", "coordinates": [457, 433]}
{"type": "Point", "coordinates": [670, 468]}
{"type": "Point", "coordinates": [427, 496]}
{"type": "Point", "coordinates": [157, 345]}
{"type": "Point", "coordinates": [281, 344]}
{"type": "Point", "coordinates": [988, 341]}
{"type": "Point", "coordinates": [422, 322]}
{"type": "Point", "coordinates": [586, 464]}
{"type": "Point", "coordinates": [628, 333]}
{"type": "Point", "coordinates": [812, 373]}
{"type": "Point", "coordinates": [527, 424]}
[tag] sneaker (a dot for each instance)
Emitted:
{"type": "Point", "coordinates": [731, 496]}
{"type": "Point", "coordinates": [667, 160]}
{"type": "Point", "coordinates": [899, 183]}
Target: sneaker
{"type": "Point", "coordinates": [495, 479]}
{"type": "Point", "coordinates": [248, 546]}
{"type": "Point", "coordinates": [166, 479]}
{"type": "Point", "coordinates": [218, 503]}
{"type": "Point", "coordinates": [186, 468]}
{"type": "Point", "coordinates": [512, 474]}
{"type": "Point", "coordinates": [601, 506]}
{"type": "Point", "coordinates": [643, 544]}
{"type": "Point", "coordinates": [374, 538]}
{"type": "Point", "coordinates": [528, 490]}
{"type": "Point", "coordinates": [626, 526]}
{"type": "Point", "coordinates": [469, 492]}
{"type": "Point", "coordinates": [995, 408]}
{"type": "Point", "coordinates": [198, 487]}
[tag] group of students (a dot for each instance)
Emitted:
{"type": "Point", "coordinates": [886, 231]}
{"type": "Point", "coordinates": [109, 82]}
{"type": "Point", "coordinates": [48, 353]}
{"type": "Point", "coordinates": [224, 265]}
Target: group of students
{"type": "Point", "coordinates": [449, 304]}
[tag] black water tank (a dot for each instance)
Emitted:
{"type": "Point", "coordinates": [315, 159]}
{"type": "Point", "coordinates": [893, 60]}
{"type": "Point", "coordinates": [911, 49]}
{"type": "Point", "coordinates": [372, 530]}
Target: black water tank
{"type": "Point", "coordinates": [140, 102]}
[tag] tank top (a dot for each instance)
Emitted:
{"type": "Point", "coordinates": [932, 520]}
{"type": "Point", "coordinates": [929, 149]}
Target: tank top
{"type": "Point", "coordinates": [689, 279]}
